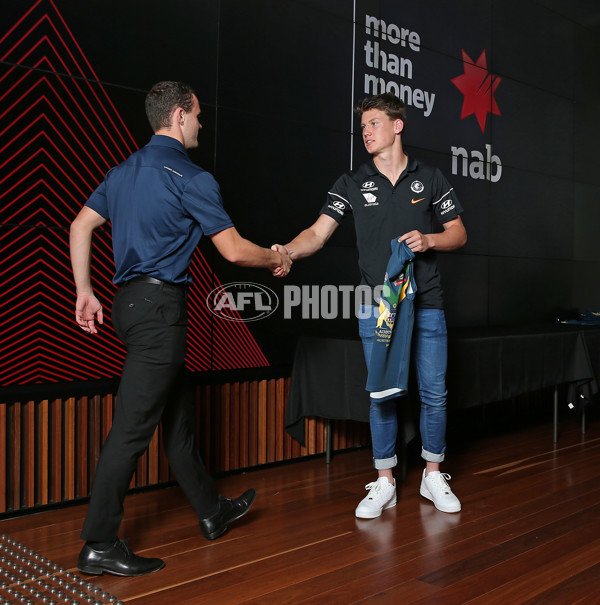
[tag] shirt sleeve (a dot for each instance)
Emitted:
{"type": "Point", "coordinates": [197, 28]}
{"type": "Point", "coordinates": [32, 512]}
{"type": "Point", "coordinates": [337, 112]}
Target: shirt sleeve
{"type": "Point", "coordinates": [202, 199]}
{"type": "Point", "coordinates": [337, 205]}
{"type": "Point", "coordinates": [98, 202]}
{"type": "Point", "coordinates": [445, 201]}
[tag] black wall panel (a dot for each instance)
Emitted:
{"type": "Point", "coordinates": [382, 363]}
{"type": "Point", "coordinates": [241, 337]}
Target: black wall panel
{"type": "Point", "coordinates": [586, 285]}
{"type": "Point", "coordinates": [526, 290]}
{"type": "Point", "coordinates": [537, 130]}
{"type": "Point", "coordinates": [442, 24]}
{"type": "Point", "coordinates": [586, 123]}
{"type": "Point", "coordinates": [533, 46]}
{"type": "Point", "coordinates": [274, 173]}
{"type": "Point", "coordinates": [502, 96]}
{"type": "Point", "coordinates": [287, 61]}
{"type": "Point", "coordinates": [465, 280]}
{"type": "Point", "coordinates": [532, 216]}
{"type": "Point", "coordinates": [134, 44]}
{"type": "Point", "coordinates": [586, 210]}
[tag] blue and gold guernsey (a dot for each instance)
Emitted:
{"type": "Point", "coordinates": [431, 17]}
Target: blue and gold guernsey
{"type": "Point", "coordinates": [390, 357]}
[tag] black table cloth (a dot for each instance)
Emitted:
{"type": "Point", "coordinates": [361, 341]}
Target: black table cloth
{"type": "Point", "coordinates": [485, 365]}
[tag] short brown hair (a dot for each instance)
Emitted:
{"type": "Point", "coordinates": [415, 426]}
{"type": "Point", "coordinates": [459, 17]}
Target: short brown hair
{"type": "Point", "coordinates": [394, 107]}
{"type": "Point", "coordinates": [163, 98]}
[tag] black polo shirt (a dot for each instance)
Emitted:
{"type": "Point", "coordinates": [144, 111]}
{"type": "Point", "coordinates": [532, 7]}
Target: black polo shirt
{"type": "Point", "coordinates": [382, 211]}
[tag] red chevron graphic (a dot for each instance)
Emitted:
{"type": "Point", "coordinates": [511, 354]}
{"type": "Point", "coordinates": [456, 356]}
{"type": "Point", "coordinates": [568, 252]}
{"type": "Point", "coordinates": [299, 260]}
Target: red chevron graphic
{"type": "Point", "coordinates": [59, 134]}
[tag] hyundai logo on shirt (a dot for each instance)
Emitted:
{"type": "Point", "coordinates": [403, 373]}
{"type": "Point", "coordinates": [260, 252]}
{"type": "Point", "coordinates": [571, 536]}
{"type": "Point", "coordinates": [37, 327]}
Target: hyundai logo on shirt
{"type": "Point", "coordinates": [446, 206]}
{"type": "Point", "coordinates": [369, 186]}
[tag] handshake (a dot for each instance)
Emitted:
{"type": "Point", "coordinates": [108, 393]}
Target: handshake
{"type": "Point", "coordinates": [284, 262]}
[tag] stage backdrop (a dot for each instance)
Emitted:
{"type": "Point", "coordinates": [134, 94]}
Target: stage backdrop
{"type": "Point", "coordinates": [502, 96]}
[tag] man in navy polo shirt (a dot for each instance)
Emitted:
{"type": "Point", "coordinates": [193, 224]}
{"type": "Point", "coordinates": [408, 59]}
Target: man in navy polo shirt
{"type": "Point", "coordinates": [394, 196]}
{"type": "Point", "coordinates": [159, 204]}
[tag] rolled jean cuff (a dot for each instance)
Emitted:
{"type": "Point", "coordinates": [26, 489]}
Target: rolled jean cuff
{"type": "Point", "coordinates": [432, 457]}
{"type": "Point", "coordinates": [382, 464]}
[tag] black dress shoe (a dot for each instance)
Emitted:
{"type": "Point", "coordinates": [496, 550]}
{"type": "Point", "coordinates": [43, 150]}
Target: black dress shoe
{"type": "Point", "coordinates": [117, 560]}
{"type": "Point", "coordinates": [229, 510]}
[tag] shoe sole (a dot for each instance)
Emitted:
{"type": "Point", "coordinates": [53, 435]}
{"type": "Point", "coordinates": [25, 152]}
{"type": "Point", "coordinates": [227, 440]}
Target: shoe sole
{"type": "Point", "coordinates": [218, 534]}
{"type": "Point", "coordinates": [374, 516]}
{"type": "Point", "coordinates": [426, 494]}
{"type": "Point", "coordinates": [98, 571]}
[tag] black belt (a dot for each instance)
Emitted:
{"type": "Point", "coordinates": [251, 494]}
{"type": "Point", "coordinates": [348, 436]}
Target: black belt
{"type": "Point", "coordinates": [146, 279]}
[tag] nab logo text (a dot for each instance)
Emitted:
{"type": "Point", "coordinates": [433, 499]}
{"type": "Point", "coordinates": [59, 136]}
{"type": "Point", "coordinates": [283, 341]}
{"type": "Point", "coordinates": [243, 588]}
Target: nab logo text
{"type": "Point", "coordinates": [478, 166]}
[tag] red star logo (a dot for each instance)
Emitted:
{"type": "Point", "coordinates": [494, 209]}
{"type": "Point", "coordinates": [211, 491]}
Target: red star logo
{"type": "Point", "coordinates": [478, 87]}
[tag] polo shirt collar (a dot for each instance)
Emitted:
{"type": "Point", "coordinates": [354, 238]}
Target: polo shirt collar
{"type": "Point", "coordinates": [411, 166]}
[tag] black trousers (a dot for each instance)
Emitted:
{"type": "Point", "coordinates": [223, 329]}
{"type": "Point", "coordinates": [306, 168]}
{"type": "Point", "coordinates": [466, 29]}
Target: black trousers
{"type": "Point", "coordinates": [151, 320]}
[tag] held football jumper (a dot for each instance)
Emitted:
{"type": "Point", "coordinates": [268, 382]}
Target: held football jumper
{"type": "Point", "coordinates": [390, 358]}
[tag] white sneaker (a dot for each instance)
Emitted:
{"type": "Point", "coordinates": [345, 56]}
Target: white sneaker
{"type": "Point", "coordinates": [382, 495]}
{"type": "Point", "coordinates": [435, 487]}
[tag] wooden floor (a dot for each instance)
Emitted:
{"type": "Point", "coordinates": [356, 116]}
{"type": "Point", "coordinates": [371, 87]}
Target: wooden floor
{"type": "Point", "coordinates": [529, 531]}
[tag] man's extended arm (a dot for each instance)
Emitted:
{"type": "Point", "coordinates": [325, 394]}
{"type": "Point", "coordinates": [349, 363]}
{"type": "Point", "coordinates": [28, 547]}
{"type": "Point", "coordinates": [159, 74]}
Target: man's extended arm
{"type": "Point", "coordinates": [240, 251]}
{"type": "Point", "coordinates": [310, 240]}
{"type": "Point", "coordinates": [87, 307]}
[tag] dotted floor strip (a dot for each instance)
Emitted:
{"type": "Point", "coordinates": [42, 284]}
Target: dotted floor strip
{"type": "Point", "coordinates": [27, 577]}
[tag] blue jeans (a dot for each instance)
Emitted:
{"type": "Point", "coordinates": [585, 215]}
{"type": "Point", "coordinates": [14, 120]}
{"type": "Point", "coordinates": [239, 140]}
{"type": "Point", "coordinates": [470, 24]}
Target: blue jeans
{"type": "Point", "coordinates": [429, 357]}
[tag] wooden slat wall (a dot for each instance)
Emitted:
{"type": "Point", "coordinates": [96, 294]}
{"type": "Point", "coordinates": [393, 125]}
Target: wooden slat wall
{"type": "Point", "coordinates": [49, 449]}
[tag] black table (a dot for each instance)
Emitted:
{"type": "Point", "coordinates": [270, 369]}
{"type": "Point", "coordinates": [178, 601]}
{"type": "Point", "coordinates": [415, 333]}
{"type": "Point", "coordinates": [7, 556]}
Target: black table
{"type": "Point", "coordinates": [328, 380]}
{"type": "Point", "coordinates": [485, 365]}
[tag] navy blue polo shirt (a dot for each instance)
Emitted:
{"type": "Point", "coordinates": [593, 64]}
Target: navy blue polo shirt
{"type": "Point", "coordinates": [419, 199]}
{"type": "Point", "coordinates": [159, 204]}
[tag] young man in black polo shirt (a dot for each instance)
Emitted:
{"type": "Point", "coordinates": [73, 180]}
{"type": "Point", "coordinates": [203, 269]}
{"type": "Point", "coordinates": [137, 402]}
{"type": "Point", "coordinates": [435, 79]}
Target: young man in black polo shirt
{"type": "Point", "coordinates": [394, 196]}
